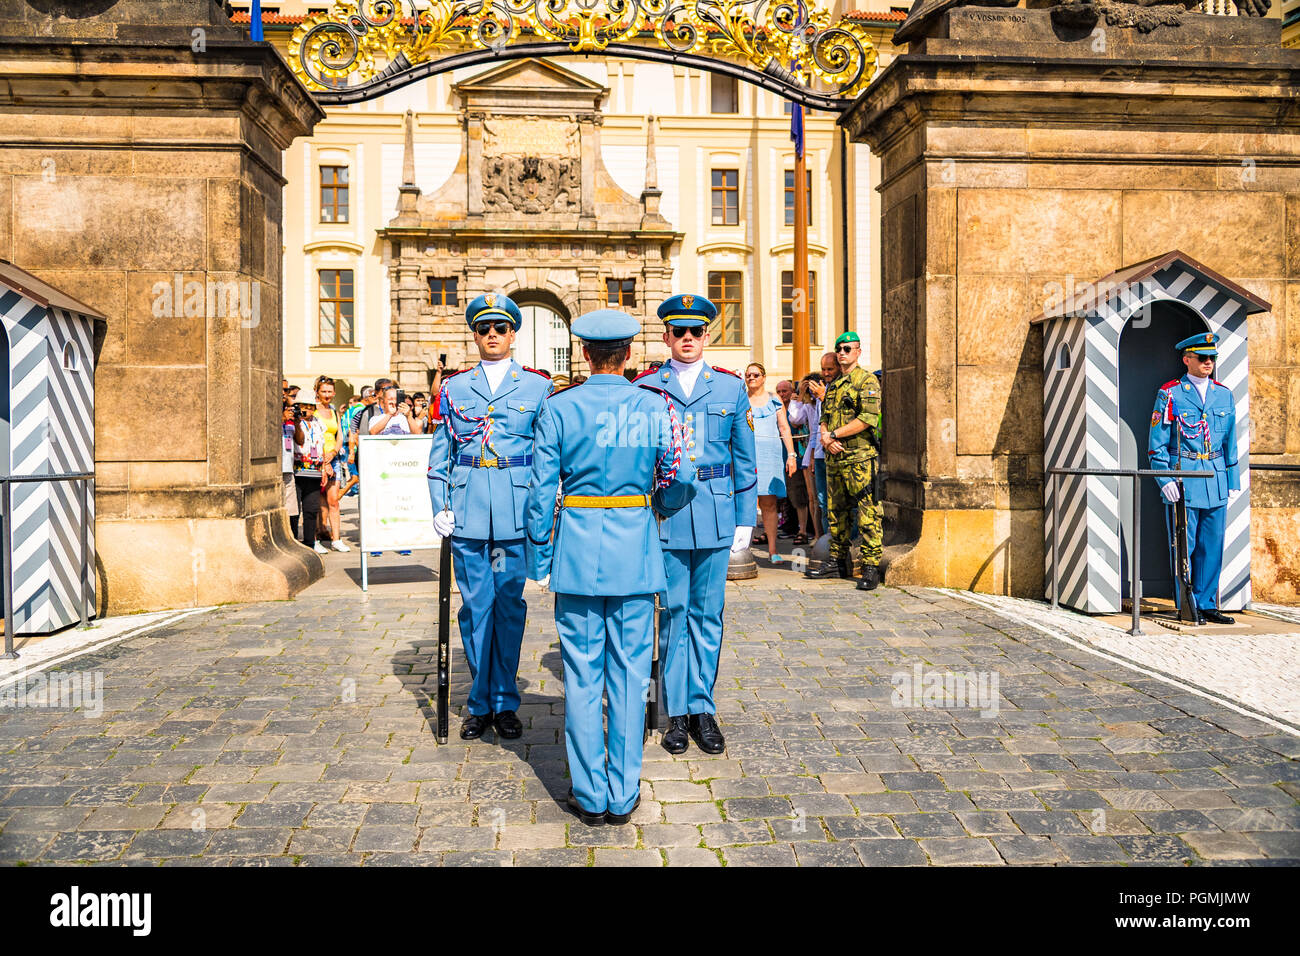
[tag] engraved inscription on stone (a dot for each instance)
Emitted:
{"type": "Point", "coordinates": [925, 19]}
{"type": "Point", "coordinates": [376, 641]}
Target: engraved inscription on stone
{"type": "Point", "coordinates": [529, 136]}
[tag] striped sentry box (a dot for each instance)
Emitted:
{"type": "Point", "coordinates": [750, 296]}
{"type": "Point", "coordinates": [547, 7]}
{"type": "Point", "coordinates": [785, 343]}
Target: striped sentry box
{"type": "Point", "coordinates": [1081, 421]}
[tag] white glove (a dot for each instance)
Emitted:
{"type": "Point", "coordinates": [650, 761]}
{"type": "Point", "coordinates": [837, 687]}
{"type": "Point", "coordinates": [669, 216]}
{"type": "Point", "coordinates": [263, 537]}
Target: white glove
{"type": "Point", "coordinates": [444, 523]}
{"type": "Point", "coordinates": [544, 582]}
{"type": "Point", "coordinates": [1234, 494]}
{"type": "Point", "coordinates": [1171, 492]}
{"type": "Point", "coordinates": [740, 542]}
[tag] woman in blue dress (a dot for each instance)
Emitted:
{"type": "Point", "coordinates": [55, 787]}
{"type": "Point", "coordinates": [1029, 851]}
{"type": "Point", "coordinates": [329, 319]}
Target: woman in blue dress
{"type": "Point", "coordinates": [774, 449]}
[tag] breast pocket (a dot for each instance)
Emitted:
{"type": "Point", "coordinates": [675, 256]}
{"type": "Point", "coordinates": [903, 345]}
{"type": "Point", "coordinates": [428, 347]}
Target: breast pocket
{"type": "Point", "coordinates": [720, 421]}
{"type": "Point", "coordinates": [1219, 422]}
{"type": "Point", "coordinates": [520, 415]}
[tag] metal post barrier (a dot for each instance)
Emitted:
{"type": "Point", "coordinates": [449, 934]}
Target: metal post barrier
{"type": "Point", "coordinates": [7, 494]}
{"type": "Point", "coordinates": [1135, 539]}
{"type": "Point", "coordinates": [6, 497]}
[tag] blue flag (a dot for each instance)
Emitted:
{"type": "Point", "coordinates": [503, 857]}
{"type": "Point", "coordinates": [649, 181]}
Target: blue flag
{"type": "Point", "coordinates": [796, 128]}
{"type": "Point", "coordinates": [255, 21]}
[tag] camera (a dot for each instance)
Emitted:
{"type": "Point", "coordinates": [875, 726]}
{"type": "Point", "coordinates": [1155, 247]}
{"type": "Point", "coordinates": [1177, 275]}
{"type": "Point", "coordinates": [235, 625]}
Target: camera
{"type": "Point", "coordinates": [401, 396]}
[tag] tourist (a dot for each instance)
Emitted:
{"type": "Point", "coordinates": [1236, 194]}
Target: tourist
{"type": "Point", "coordinates": [796, 489]}
{"type": "Point", "coordinates": [392, 417]}
{"type": "Point", "coordinates": [771, 433]}
{"type": "Point", "coordinates": [288, 486]}
{"type": "Point", "coordinates": [335, 459]}
{"type": "Point", "coordinates": [308, 469]}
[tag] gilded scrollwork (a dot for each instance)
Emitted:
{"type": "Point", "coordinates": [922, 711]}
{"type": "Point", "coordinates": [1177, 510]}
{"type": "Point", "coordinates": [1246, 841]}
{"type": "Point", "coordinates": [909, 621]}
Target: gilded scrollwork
{"type": "Point", "coordinates": [356, 41]}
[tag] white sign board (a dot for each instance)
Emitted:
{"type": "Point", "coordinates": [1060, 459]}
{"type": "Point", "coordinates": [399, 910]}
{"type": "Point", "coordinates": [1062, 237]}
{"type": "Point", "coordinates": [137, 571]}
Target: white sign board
{"type": "Point", "coordinates": [396, 514]}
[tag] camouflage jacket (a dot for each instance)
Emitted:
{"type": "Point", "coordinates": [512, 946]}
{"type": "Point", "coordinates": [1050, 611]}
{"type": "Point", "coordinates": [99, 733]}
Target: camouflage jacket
{"type": "Point", "coordinates": [849, 397]}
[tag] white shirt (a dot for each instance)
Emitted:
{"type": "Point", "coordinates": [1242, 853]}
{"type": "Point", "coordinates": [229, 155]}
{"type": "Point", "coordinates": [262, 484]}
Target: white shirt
{"type": "Point", "coordinates": [687, 373]}
{"type": "Point", "coordinates": [495, 371]}
{"type": "Point", "coordinates": [1200, 384]}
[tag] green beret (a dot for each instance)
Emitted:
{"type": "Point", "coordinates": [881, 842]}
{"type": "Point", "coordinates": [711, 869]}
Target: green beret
{"type": "Point", "coordinates": [848, 337]}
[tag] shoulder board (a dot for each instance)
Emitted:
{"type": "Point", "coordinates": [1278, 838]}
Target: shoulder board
{"type": "Point", "coordinates": [649, 371]}
{"type": "Point", "coordinates": [719, 368]}
{"type": "Point", "coordinates": [535, 371]}
{"type": "Point", "coordinates": [1218, 383]}
{"type": "Point", "coordinates": [1168, 385]}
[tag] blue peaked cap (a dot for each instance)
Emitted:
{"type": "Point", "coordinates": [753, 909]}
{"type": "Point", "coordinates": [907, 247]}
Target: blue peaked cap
{"type": "Point", "coordinates": [688, 310]}
{"type": "Point", "coordinates": [605, 325]}
{"type": "Point", "coordinates": [492, 305]}
{"type": "Point", "coordinates": [1203, 343]}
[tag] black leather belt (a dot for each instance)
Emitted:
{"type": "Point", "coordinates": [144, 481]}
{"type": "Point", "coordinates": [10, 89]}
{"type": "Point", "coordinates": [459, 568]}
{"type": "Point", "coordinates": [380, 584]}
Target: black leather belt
{"type": "Point", "coordinates": [502, 461]}
{"type": "Point", "coordinates": [713, 471]}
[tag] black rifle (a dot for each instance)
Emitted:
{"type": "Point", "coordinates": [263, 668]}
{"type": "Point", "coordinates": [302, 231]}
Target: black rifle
{"type": "Point", "coordinates": [652, 700]}
{"type": "Point", "coordinates": [444, 638]}
{"type": "Point", "coordinates": [1188, 613]}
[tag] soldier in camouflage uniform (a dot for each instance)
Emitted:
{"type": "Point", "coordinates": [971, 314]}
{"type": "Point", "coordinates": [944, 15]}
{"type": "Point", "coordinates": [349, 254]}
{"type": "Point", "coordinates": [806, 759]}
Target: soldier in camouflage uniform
{"type": "Point", "coordinates": [849, 433]}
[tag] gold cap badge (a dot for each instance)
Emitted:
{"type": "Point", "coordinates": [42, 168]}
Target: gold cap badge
{"type": "Point", "coordinates": [688, 301]}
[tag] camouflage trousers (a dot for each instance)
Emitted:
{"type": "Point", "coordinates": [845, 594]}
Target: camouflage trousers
{"type": "Point", "coordinates": [849, 502]}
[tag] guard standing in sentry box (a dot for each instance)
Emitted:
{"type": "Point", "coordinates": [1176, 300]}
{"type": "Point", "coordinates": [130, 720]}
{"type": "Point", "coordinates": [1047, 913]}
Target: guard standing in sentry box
{"type": "Point", "coordinates": [615, 450]}
{"type": "Point", "coordinates": [478, 481]}
{"type": "Point", "coordinates": [720, 461]}
{"type": "Point", "coordinates": [1194, 428]}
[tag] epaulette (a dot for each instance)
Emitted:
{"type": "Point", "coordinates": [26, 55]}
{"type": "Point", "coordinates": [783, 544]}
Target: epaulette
{"type": "Point", "coordinates": [1218, 383]}
{"type": "Point", "coordinates": [536, 371]}
{"type": "Point", "coordinates": [719, 368]}
{"type": "Point", "coordinates": [650, 371]}
{"type": "Point", "coordinates": [1168, 385]}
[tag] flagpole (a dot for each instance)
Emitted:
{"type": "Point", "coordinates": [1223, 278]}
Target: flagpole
{"type": "Point", "coordinates": [255, 21]}
{"type": "Point", "coordinates": [799, 307]}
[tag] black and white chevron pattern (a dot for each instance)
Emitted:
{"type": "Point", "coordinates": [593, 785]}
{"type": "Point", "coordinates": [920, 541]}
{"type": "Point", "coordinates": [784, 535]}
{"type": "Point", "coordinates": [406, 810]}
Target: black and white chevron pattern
{"type": "Point", "coordinates": [52, 411]}
{"type": "Point", "coordinates": [1081, 430]}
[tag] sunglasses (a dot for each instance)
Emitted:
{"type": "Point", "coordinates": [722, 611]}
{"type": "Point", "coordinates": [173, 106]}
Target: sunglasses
{"type": "Point", "coordinates": [694, 331]}
{"type": "Point", "coordinates": [482, 328]}
{"type": "Point", "coordinates": [1205, 358]}
{"type": "Point", "coordinates": [753, 375]}
{"type": "Point", "coordinates": [846, 348]}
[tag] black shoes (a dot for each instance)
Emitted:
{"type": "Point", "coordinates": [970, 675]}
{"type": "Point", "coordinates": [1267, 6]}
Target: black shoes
{"type": "Point", "coordinates": [618, 819]}
{"type": "Point", "coordinates": [582, 813]}
{"type": "Point", "coordinates": [1215, 617]}
{"type": "Point", "coordinates": [837, 568]}
{"type": "Point", "coordinates": [675, 738]}
{"type": "Point", "coordinates": [508, 725]}
{"type": "Point", "coordinates": [474, 725]}
{"type": "Point", "coordinates": [704, 731]}
{"type": "Point", "coordinates": [870, 578]}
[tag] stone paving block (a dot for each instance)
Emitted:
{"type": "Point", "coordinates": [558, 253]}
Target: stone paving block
{"type": "Point", "coordinates": [692, 856]}
{"type": "Point", "coordinates": [123, 818]}
{"type": "Point", "coordinates": [670, 835]}
{"type": "Point", "coordinates": [883, 802]}
{"type": "Point", "coordinates": [1047, 821]}
{"type": "Point", "coordinates": [477, 858]}
{"type": "Point", "coordinates": [826, 854]}
{"type": "Point", "coordinates": [1005, 800]}
{"type": "Point", "coordinates": [987, 822]}
{"type": "Point", "coordinates": [1165, 849]}
{"type": "Point", "coordinates": [580, 834]}
{"type": "Point", "coordinates": [551, 857]}
{"type": "Point", "coordinates": [1176, 821]}
{"type": "Point", "coordinates": [863, 827]}
{"type": "Point", "coordinates": [273, 815]}
{"type": "Point", "coordinates": [211, 816]}
{"type": "Point", "coordinates": [942, 800]}
{"type": "Point", "coordinates": [18, 846]}
{"type": "Point", "coordinates": [1275, 844]}
{"type": "Point", "coordinates": [960, 851]}
{"type": "Point", "coordinates": [773, 855]}
{"type": "Point", "coordinates": [1090, 849]}
{"type": "Point", "coordinates": [729, 834]}
{"type": "Point", "coordinates": [1024, 850]}
{"type": "Point", "coordinates": [319, 841]}
{"type": "Point", "coordinates": [899, 852]}
{"type": "Point", "coordinates": [606, 856]}
{"type": "Point", "coordinates": [691, 812]}
{"type": "Point", "coordinates": [928, 825]}
{"type": "Point", "coordinates": [247, 843]}
{"type": "Point", "coordinates": [680, 791]}
{"type": "Point", "coordinates": [541, 836]}
{"type": "Point", "coordinates": [389, 839]}
{"type": "Point", "coordinates": [753, 808]}
{"type": "Point", "coordinates": [743, 787]}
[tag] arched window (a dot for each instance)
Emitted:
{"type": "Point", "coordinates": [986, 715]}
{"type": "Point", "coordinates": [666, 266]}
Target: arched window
{"type": "Point", "coordinates": [71, 360]}
{"type": "Point", "coordinates": [1063, 357]}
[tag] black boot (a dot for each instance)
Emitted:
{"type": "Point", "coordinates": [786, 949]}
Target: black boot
{"type": "Point", "coordinates": [870, 578]}
{"type": "Point", "coordinates": [836, 568]}
{"type": "Point", "coordinates": [1214, 616]}
{"type": "Point", "coordinates": [707, 735]}
{"type": "Point", "coordinates": [676, 737]}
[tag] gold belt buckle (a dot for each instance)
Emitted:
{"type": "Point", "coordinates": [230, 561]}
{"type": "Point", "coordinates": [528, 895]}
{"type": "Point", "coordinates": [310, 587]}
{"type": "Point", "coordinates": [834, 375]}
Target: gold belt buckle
{"type": "Point", "coordinates": [486, 462]}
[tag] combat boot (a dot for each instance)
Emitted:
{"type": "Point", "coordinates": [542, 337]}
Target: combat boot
{"type": "Point", "coordinates": [870, 578]}
{"type": "Point", "coordinates": [838, 568]}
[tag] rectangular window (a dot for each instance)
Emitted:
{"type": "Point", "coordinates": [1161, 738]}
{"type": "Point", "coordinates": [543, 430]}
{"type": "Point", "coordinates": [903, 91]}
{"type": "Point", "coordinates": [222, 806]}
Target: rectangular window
{"type": "Point", "coordinates": [724, 290]}
{"type": "Point", "coordinates": [726, 197]}
{"type": "Point", "coordinates": [724, 94]}
{"type": "Point", "coordinates": [789, 196]}
{"type": "Point", "coordinates": [620, 293]}
{"type": "Point", "coordinates": [336, 305]}
{"type": "Point", "coordinates": [444, 291]}
{"type": "Point", "coordinates": [333, 194]}
{"type": "Point", "coordinates": [787, 307]}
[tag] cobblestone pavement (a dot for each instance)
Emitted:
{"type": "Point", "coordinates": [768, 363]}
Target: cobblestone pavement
{"type": "Point", "coordinates": [1259, 670]}
{"type": "Point", "coordinates": [298, 733]}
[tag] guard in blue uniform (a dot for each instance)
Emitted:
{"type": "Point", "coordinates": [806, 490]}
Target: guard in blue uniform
{"type": "Point", "coordinates": [614, 449]}
{"type": "Point", "coordinates": [719, 460]}
{"type": "Point", "coordinates": [478, 481]}
{"type": "Point", "coordinates": [1195, 421]}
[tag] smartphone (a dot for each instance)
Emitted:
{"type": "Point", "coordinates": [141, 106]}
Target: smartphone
{"type": "Point", "coordinates": [442, 358]}
{"type": "Point", "coordinates": [401, 396]}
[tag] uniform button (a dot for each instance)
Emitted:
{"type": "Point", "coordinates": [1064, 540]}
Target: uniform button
{"type": "Point", "coordinates": [692, 457]}
{"type": "Point", "coordinates": [691, 445]}
{"type": "Point", "coordinates": [489, 408]}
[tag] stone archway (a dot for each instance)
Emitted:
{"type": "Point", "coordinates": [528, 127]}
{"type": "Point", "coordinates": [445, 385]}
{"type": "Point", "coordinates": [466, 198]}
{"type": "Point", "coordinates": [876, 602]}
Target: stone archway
{"type": "Point", "coordinates": [543, 339]}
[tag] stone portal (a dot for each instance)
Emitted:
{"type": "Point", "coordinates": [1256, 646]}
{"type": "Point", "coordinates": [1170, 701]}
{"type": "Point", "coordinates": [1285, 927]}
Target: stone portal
{"type": "Point", "coordinates": [141, 165]}
{"type": "Point", "coordinates": [1023, 154]}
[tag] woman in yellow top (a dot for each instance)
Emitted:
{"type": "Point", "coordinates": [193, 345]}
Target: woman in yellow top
{"type": "Point", "coordinates": [334, 456]}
